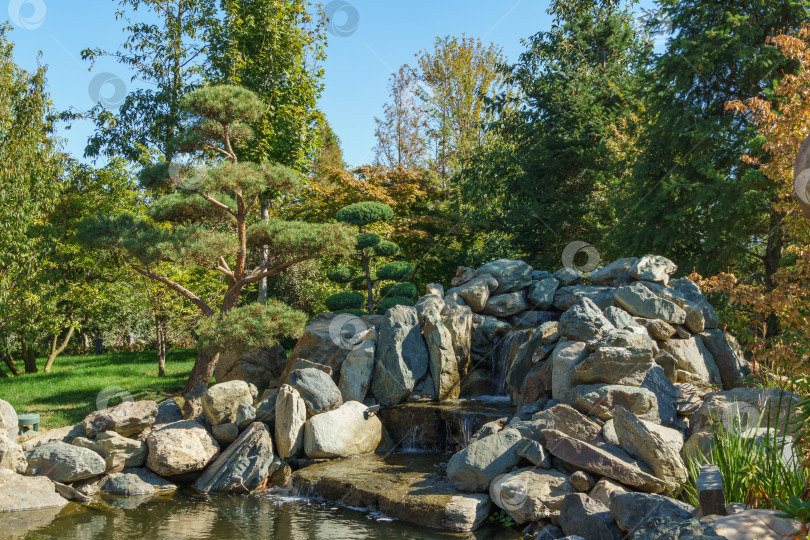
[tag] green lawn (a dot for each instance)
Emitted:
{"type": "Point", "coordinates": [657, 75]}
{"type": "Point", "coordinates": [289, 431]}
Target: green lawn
{"type": "Point", "coordinates": [69, 393]}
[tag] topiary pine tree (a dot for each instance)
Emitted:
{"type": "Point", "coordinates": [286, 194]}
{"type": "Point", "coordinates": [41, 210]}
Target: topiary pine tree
{"type": "Point", "coordinates": [370, 247]}
{"type": "Point", "coordinates": [209, 219]}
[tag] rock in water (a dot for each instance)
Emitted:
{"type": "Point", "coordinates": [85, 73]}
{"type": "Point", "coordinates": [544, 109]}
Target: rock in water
{"type": "Point", "coordinates": [355, 375]}
{"type": "Point", "coordinates": [653, 268]}
{"type": "Point", "coordinates": [12, 456]}
{"type": "Point", "coordinates": [476, 466]}
{"type": "Point", "coordinates": [64, 463]}
{"type": "Point", "coordinates": [243, 466]}
{"type": "Point", "coordinates": [8, 420]}
{"type": "Point", "coordinates": [27, 493]}
{"type": "Point", "coordinates": [128, 418]}
{"type": "Point", "coordinates": [644, 444]}
{"type": "Point", "coordinates": [349, 430]}
{"type": "Point", "coordinates": [584, 322]}
{"type": "Point", "coordinates": [180, 448]}
{"type": "Point", "coordinates": [401, 356]}
{"type": "Point", "coordinates": [583, 516]}
{"type": "Point", "coordinates": [126, 484]}
{"type": "Point", "coordinates": [319, 391]}
{"type": "Point", "coordinates": [291, 415]}
{"type": "Point", "coordinates": [221, 402]}
{"type": "Point", "coordinates": [530, 495]}
{"type": "Point", "coordinates": [511, 275]}
{"type": "Point", "coordinates": [443, 365]}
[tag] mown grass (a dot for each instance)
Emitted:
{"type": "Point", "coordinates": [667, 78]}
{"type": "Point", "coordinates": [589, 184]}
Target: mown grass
{"type": "Point", "coordinates": [69, 393]}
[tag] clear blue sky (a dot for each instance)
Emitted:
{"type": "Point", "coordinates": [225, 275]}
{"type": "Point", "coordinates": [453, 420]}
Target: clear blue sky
{"type": "Point", "coordinates": [382, 35]}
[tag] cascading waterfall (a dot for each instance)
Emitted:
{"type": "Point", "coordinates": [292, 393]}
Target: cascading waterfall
{"type": "Point", "coordinates": [503, 354]}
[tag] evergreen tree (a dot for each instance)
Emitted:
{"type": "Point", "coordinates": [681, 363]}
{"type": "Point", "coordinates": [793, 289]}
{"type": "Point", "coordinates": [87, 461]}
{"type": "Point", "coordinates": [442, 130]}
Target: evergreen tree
{"type": "Point", "coordinates": [212, 222]}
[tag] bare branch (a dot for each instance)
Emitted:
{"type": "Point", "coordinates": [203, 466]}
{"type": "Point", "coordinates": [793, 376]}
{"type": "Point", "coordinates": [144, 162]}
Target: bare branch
{"type": "Point", "coordinates": [176, 287]}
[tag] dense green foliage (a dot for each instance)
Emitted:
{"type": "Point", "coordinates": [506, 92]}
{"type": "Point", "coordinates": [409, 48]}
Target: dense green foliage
{"type": "Point", "coordinates": [365, 213]}
{"type": "Point", "coordinates": [345, 300]}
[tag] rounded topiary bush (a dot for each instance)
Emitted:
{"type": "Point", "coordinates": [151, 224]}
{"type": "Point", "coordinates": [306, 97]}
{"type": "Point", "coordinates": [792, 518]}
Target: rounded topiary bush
{"type": "Point", "coordinates": [345, 300]}
{"type": "Point", "coordinates": [386, 249]}
{"type": "Point", "coordinates": [355, 312]}
{"type": "Point", "coordinates": [367, 240]}
{"type": "Point", "coordinates": [407, 290]}
{"type": "Point", "coordinates": [394, 270]}
{"type": "Point", "coordinates": [388, 303]}
{"type": "Point", "coordinates": [341, 274]}
{"type": "Point", "coordinates": [364, 213]}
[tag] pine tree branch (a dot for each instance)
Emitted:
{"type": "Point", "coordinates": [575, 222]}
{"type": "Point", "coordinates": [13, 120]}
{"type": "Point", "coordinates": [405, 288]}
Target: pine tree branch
{"type": "Point", "coordinates": [176, 287]}
{"type": "Point", "coordinates": [262, 271]}
{"type": "Point", "coordinates": [218, 204]}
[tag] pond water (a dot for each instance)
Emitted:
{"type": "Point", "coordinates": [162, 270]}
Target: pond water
{"type": "Point", "coordinates": [187, 515]}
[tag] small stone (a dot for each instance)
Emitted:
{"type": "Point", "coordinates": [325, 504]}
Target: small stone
{"type": "Point", "coordinates": [534, 452]}
{"type": "Point", "coordinates": [711, 494]}
{"type": "Point", "coordinates": [245, 415]}
{"type": "Point", "coordinates": [604, 489]}
{"type": "Point", "coordinates": [225, 434]}
{"type": "Point", "coordinates": [319, 391]}
{"type": "Point", "coordinates": [581, 481]}
{"type": "Point", "coordinates": [530, 495]}
{"type": "Point", "coordinates": [221, 402]}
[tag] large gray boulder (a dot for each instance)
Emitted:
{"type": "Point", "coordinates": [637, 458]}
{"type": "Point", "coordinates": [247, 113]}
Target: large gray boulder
{"type": "Point", "coordinates": [599, 461]}
{"type": "Point", "coordinates": [693, 357]}
{"type": "Point", "coordinates": [644, 444]}
{"type": "Point", "coordinates": [128, 418]}
{"type": "Point", "coordinates": [529, 494]}
{"type": "Point", "coordinates": [324, 341]}
{"type": "Point", "coordinates": [243, 466]}
{"type": "Point", "coordinates": [168, 411]}
{"type": "Point", "coordinates": [355, 375]}
{"type": "Point", "coordinates": [401, 356]}
{"type": "Point", "coordinates": [477, 465]}
{"type": "Point", "coordinates": [692, 293]}
{"type": "Point", "coordinates": [614, 365]}
{"type": "Point", "coordinates": [258, 367]}
{"type": "Point", "coordinates": [62, 462]}
{"type": "Point", "coordinates": [566, 357]}
{"type": "Point", "coordinates": [505, 305]}
{"type": "Point", "coordinates": [600, 400]}
{"type": "Point", "coordinates": [615, 273]}
{"type": "Point", "coordinates": [562, 418]}
{"type": "Point", "coordinates": [511, 275]}
{"type": "Point", "coordinates": [221, 402]}
{"type": "Point", "coordinates": [291, 415]}
{"type": "Point", "coordinates": [27, 493]}
{"type": "Point", "coordinates": [640, 301]}
{"type": "Point", "coordinates": [180, 448]}
{"type": "Point", "coordinates": [12, 456]}
{"type": "Point", "coordinates": [583, 516]}
{"type": "Point", "coordinates": [653, 268]}
{"type": "Point", "coordinates": [567, 297]}
{"type": "Point", "coordinates": [65, 434]}
{"type": "Point", "coordinates": [728, 356]}
{"type": "Point", "coordinates": [695, 321]}
{"type": "Point", "coordinates": [110, 445]}
{"type": "Point", "coordinates": [458, 320]}
{"type": "Point", "coordinates": [8, 420]}
{"type": "Point", "coordinates": [443, 363]}
{"type": "Point", "coordinates": [541, 293]}
{"type": "Point", "coordinates": [126, 484]}
{"type": "Point", "coordinates": [666, 394]}
{"type": "Point", "coordinates": [344, 432]}
{"type": "Point", "coordinates": [584, 322]}
{"type": "Point", "coordinates": [319, 391]}
{"type": "Point", "coordinates": [475, 293]}
{"type": "Point", "coordinates": [632, 510]}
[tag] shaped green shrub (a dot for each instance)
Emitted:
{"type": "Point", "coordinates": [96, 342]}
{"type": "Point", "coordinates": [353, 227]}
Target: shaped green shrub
{"type": "Point", "coordinates": [344, 300]}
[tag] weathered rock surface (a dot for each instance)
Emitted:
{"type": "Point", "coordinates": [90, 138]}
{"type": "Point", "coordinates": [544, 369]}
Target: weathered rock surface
{"type": "Point", "coordinates": [638, 300]}
{"type": "Point", "coordinates": [401, 356]}
{"type": "Point", "coordinates": [583, 516]}
{"type": "Point", "coordinates": [180, 448]}
{"type": "Point", "coordinates": [601, 399]}
{"type": "Point", "coordinates": [8, 420]}
{"type": "Point", "coordinates": [759, 523]}
{"type": "Point", "coordinates": [291, 415]}
{"type": "Point", "coordinates": [221, 402]}
{"type": "Point", "coordinates": [127, 419]}
{"type": "Point", "coordinates": [476, 292]}
{"type": "Point", "coordinates": [318, 390]}
{"type": "Point", "coordinates": [27, 493]}
{"type": "Point", "coordinates": [258, 367]}
{"type": "Point", "coordinates": [653, 268]}
{"type": "Point", "coordinates": [344, 432]}
{"type": "Point", "coordinates": [168, 411]}
{"type": "Point", "coordinates": [477, 465]}
{"type": "Point", "coordinates": [581, 481]}
{"type": "Point", "coordinates": [62, 462]}
{"type": "Point", "coordinates": [324, 341]}
{"type": "Point", "coordinates": [584, 322]}
{"type": "Point", "coordinates": [443, 363]}
{"type": "Point", "coordinates": [458, 320]}
{"type": "Point", "coordinates": [567, 297]}
{"type": "Point", "coordinates": [530, 494]}
{"type": "Point", "coordinates": [598, 461]}
{"type": "Point", "coordinates": [126, 484]}
{"type": "Point", "coordinates": [692, 356]}
{"type": "Point", "coordinates": [614, 365]}
{"type": "Point", "coordinates": [225, 434]}
{"type": "Point", "coordinates": [510, 275]}
{"type": "Point", "coordinates": [65, 434]}
{"type": "Point", "coordinates": [243, 466]}
{"type": "Point", "coordinates": [615, 273]}
{"type": "Point", "coordinates": [658, 329]}
{"type": "Point", "coordinates": [728, 356]}
{"type": "Point", "coordinates": [632, 510]}
{"type": "Point", "coordinates": [541, 293]}
{"type": "Point", "coordinates": [751, 407]}
{"type": "Point", "coordinates": [109, 443]}
{"type": "Point", "coordinates": [563, 418]}
{"type": "Point", "coordinates": [604, 489]}
{"type": "Point", "coordinates": [566, 357]}
{"type": "Point", "coordinates": [12, 456]}
{"type": "Point", "coordinates": [534, 452]}
{"type": "Point", "coordinates": [505, 305]}
{"type": "Point", "coordinates": [355, 375]}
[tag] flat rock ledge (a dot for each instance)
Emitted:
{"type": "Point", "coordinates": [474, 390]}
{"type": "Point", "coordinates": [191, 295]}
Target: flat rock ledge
{"type": "Point", "coordinates": [402, 486]}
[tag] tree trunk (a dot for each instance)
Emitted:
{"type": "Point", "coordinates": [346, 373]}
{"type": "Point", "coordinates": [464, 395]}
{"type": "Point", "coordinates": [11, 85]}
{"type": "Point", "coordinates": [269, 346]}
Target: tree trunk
{"type": "Point", "coordinates": [160, 333]}
{"type": "Point", "coordinates": [203, 369]}
{"type": "Point", "coordinates": [9, 361]}
{"type": "Point", "coordinates": [265, 254]}
{"type": "Point", "coordinates": [369, 283]}
{"type": "Point", "coordinates": [773, 255]}
{"type": "Point", "coordinates": [57, 349]}
{"type": "Point", "coordinates": [85, 342]}
{"type": "Point", "coordinates": [29, 357]}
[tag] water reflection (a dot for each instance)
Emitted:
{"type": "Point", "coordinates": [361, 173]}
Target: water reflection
{"type": "Point", "coordinates": [188, 515]}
